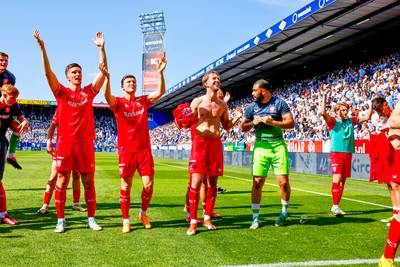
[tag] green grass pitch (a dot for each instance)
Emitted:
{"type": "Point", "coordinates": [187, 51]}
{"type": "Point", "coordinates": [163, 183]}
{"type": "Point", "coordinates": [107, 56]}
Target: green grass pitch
{"type": "Point", "coordinates": [359, 235]}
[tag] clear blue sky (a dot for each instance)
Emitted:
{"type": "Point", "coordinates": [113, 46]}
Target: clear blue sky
{"type": "Point", "coordinates": [198, 32]}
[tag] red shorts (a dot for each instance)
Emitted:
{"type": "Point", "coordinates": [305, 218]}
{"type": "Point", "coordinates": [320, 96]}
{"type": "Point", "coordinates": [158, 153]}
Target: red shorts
{"type": "Point", "coordinates": [395, 167]}
{"type": "Point", "coordinates": [341, 163]}
{"type": "Point", "coordinates": [380, 153]}
{"type": "Point", "coordinates": [75, 156]}
{"type": "Point", "coordinates": [206, 156]}
{"type": "Point", "coordinates": [142, 161]}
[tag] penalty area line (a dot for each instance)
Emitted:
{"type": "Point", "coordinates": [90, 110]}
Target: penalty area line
{"type": "Point", "coordinates": [294, 188]}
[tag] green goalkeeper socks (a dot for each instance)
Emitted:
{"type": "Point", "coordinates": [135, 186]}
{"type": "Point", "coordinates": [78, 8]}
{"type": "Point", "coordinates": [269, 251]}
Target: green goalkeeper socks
{"type": "Point", "coordinates": [14, 140]}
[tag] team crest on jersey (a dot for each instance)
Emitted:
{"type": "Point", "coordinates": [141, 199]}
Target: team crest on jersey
{"type": "Point", "coordinates": [8, 109]}
{"type": "Point", "coordinates": [272, 109]}
{"type": "Point", "coordinates": [5, 81]}
{"type": "Point", "coordinates": [126, 105]}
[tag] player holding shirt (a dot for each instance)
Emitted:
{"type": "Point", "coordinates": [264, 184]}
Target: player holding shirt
{"type": "Point", "coordinates": [75, 148]}
{"type": "Point", "coordinates": [6, 77]}
{"type": "Point", "coordinates": [341, 131]}
{"type": "Point", "coordinates": [8, 109]}
{"type": "Point", "coordinates": [51, 183]}
{"type": "Point", "coordinates": [134, 149]}
{"type": "Point", "coordinates": [268, 115]}
{"type": "Point", "coordinates": [206, 157]}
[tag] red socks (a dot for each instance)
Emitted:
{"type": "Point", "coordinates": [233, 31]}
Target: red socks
{"type": "Point", "coordinates": [335, 193]}
{"type": "Point", "coordinates": [3, 206]}
{"type": "Point", "coordinates": [60, 197]}
{"type": "Point", "coordinates": [210, 200]}
{"type": "Point", "coordinates": [146, 198]}
{"type": "Point", "coordinates": [393, 240]}
{"type": "Point", "coordinates": [47, 198]}
{"type": "Point", "coordinates": [90, 198]}
{"type": "Point", "coordinates": [76, 193]}
{"type": "Point", "coordinates": [125, 203]}
{"type": "Point", "coordinates": [194, 196]}
{"type": "Point", "coordinates": [341, 189]}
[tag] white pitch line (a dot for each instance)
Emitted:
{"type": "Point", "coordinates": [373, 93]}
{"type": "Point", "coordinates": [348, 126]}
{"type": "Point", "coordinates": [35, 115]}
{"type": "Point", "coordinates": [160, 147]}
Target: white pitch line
{"type": "Point", "coordinates": [313, 263]}
{"type": "Point", "coordinates": [296, 189]}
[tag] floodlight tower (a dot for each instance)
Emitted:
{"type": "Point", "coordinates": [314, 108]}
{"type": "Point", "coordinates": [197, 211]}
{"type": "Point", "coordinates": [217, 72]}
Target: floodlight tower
{"type": "Point", "coordinates": [153, 29]}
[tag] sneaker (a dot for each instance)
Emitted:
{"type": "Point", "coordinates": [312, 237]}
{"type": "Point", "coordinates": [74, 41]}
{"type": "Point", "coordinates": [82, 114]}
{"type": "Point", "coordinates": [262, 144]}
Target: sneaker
{"type": "Point", "coordinates": [126, 227]}
{"type": "Point", "coordinates": [388, 220]}
{"type": "Point", "coordinates": [78, 207]}
{"type": "Point", "coordinates": [215, 215]}
{"type": "Point", "coordinates": [9, 220]}
{"type": "Point", "coordinates": [208, 224]}
{"type": "Point", "coordinates": [383, 262]}
{"type": "Point", "coordinates": [255, 224]}
{"type": "Point", "coordinates": [93, 225]}
{"type": "Point", "coordinates": [60, 227]}
{"type": "Point", "coordinates": [221, 190]}
{"type": "Point", "coordinates": [282, 219]}
{"type": "Point", "coordinates": [42, 211]}
{"type": "Point", "coordinates": [337, 212]}
{"type": "Point", "coordinates": [192, 229]}
{"type": "Point", "coordinates": [145, 220]}
{"type": "Point", "coordinates": [14, 163]}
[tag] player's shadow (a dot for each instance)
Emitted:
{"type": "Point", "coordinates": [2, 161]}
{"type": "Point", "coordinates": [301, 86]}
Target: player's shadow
{"type": "Point", "coordinates": [247, 192]}
{"type": "Point", "coordinates": [26, 189]}
{"type": "Point", "coordinates": [329, 219]}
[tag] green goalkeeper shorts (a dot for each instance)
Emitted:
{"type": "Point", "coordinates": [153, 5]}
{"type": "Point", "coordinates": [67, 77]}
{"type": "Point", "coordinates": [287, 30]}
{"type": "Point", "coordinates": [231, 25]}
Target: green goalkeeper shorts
{"type": "Point", "coordinates": [270, 153]}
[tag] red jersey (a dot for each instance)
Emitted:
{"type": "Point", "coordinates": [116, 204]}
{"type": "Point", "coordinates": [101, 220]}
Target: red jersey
{"type": "Point", "coordinates": [133, 129]}
{"type": "Point", "coordinates": [75, 114]}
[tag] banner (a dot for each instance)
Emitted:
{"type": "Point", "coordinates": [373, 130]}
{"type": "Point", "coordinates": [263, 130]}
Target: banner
{"type": "Point", "coordinates": [153, 42]}
{"type": "Point", "coordinates": [361, 146]}
{"type": "Point", "coordinates": [304, 146]}
{"type": "Point", "coordinates": [151, 81]}
{"type": "Point", "coordinates": [238, 146]}
{"type": "Point", "coordinates": [153, 50]}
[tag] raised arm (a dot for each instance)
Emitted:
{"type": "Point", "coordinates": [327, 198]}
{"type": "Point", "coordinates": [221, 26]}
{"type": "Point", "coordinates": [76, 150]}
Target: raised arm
{"type": "Point", "coordinates": [107, 90]}
{"type": "Point", "coordinates": [324, 114]}
{"type": "Point", "coordinates": [99, 80]}
{"type": "Point", "coordinates": [368, 115]}
{"type": "Point", "coordinates": [51, 77]}
{"type": "Point", "coordinates": [153, 97]}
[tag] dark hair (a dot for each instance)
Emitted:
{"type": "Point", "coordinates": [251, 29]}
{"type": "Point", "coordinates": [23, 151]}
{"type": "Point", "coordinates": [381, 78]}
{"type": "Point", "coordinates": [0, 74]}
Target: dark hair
{"type": "Point", "coordinates": [207, 75]}
{"type": "Point", "coordinates": [70, 66]}
{"type": "Point", "coordinates": [377, 102]}
{"type": "Point", "coordinates": [262, 84]}
{"type": "Point", "coordinates": [126, 76]}
{"type": "Point", "coordinates": [3, 54]}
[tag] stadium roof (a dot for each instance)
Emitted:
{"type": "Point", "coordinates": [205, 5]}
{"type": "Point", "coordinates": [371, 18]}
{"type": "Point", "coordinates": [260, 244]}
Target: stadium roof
{"type": "Point", "coordinates": [320, 28]}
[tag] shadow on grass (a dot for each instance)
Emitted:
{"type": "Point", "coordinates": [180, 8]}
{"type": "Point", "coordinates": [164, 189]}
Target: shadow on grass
{"type": "Point", "coordinates": [247, 192]}
{"type": "Point", "coordinates": [26, 189]}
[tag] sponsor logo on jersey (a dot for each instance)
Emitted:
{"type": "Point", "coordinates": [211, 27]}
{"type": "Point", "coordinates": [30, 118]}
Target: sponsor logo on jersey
{"type": "Point", "coordinates": [133, 114]}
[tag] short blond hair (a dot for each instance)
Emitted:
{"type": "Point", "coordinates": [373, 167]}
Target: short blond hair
{"type": "Point", "coordinates": [341, 104]}
{"type": "Point", "coordinates": [10, 89]}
